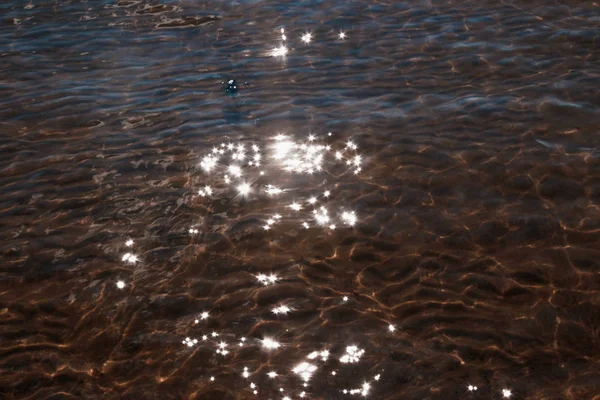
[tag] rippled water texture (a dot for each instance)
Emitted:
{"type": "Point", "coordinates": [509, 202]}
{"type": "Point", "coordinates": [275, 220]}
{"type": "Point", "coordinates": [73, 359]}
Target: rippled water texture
{"type": "Point", "coordinates": [477, 201]}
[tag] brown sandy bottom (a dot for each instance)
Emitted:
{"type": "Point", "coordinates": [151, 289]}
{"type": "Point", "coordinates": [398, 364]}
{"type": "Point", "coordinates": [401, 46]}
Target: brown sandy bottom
{"type": "Point", "coordinates": [473, 260]}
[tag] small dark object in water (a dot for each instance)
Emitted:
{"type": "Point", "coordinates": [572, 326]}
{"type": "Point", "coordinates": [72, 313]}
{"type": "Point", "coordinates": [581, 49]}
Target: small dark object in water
{"type": "Point", "coordinates": [231, 88]}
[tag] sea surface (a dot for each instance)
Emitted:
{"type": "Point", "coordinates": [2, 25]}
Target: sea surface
{"type": "Point", "coordinates": [404, 205]}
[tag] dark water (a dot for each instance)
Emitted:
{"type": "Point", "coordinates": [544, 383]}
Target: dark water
{"type": "Point", "coordinates": [477, 202]}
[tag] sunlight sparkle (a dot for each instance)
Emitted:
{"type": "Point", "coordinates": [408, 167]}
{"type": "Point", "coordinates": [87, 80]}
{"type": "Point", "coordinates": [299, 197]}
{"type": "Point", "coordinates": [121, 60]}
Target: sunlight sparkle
{"type": "Point", "coordinates": [270, 344]}
{"type": "Point", "coordinates": [307, 37]}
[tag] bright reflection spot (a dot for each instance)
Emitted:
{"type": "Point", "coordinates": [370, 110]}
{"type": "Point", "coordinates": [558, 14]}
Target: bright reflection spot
{"type": "Point", "coordinates": [281, 310]}
{"type": "Point", "coordinates": [353, 354]}
{"type": "Point", "coordinates": [506, 393]}
{"type": "Point", "coordinates": [204, 315]}
{"type": "Point", "coordinates": [323, 354]}
{"type": "Point", "coordinates": [190, 342]}
{"type": "Point", "coordinates": [267, 279]}
{"type": "Point", "coordinates": [129, 243]}
{"type": "Point", "coordinates": [349, 218]}
{"type": "Point", "coordinates": [282, 147]}
{"type": "Point", "coordinates": [365, 388]}
{"type": "Point", "coordinates": [221, 348]}
{"type": "Point", "coordinates": [307, 37]}
{"type": "Point", "coordinates": [471, 388]}
{"type": "Point", "coordinates": [305, 370]}
{"type": "Point", "coordinates": [130, 258]}
{"type": "Point", "coordinates": [280, 51]}
{"type": "Point", "coordinates": [235, 170]}
{"type": "Point", "coordinates": [206, 191]}
{"type": "Point", "coordinates": [321, 216]}
{"type": "Point", "coordinates": [270, 344]}
{"type": "Point", "coordinates": [244, 189]}
{"type": "Point", "coordinates": [342, 35]}
{"type": "Point", "coordinates": [391, 328]}
{"type": "Point", "coordinates": [120, 284]}
{"type": "Point", "coordinates": [208, 163]}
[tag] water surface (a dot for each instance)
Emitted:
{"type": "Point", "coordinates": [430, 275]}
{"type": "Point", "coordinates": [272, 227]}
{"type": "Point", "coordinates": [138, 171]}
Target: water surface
{"type": "Point", "coordinates": [477, 200]}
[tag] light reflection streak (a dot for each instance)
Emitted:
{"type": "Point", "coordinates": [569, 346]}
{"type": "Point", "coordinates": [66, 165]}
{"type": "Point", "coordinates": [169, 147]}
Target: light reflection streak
{"type": "Point", "coordinates": [295, 157]}
{"type": "Point", "coordinates": [282, 154]}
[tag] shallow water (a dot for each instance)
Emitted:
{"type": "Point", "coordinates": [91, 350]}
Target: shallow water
{"type": "Point", "coordinates": [477, 201]}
